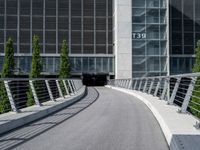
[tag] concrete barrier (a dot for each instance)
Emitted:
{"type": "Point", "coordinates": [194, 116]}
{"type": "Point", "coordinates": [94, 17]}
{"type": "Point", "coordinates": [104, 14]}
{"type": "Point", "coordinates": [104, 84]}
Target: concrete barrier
{"type": "Point", "coordinates": [12, 120]}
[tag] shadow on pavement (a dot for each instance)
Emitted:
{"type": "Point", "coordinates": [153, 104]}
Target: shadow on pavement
{"type": "Point", "coordinates": [23, 134]}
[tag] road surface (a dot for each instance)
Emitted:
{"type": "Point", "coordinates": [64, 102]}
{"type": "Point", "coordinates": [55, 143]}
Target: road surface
{"type": "Point", "coordinates": [115, 121]}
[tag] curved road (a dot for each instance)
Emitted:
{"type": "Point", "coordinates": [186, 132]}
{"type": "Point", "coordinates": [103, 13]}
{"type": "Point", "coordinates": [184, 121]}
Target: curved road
{"type": "Point", "coordinates": [116, 121]}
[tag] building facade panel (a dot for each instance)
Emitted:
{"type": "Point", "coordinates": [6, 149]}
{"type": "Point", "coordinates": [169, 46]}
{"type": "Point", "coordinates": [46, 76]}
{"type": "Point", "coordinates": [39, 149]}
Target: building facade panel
{"type": "Point", "coordinates": [125, 38]}
{"type": "Point", "coordinates": [184, 34]}
{"type": "Point", "coordinates": [149, 37]}
{"type": "Point", "coordinates": [85, 24]}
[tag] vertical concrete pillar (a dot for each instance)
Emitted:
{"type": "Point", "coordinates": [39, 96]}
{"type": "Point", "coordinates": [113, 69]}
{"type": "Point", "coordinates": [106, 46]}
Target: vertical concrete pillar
{"type": "Point", "coordinates": [123, 38]}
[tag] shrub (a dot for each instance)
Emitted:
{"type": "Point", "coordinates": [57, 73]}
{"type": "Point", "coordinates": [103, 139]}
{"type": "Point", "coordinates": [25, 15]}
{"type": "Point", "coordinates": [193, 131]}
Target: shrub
{"type": "Point", "coordinates": [7, 72]}
{"type": "Point", "coordinates": [36, 68]}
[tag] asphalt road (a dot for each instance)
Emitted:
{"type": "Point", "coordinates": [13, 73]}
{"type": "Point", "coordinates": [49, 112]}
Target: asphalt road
{"type": "Point", "coordinates": [116, 121]}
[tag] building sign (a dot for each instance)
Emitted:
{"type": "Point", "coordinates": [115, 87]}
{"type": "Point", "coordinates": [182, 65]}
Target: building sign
{"type": "Point", "coordinates": [139, 35]}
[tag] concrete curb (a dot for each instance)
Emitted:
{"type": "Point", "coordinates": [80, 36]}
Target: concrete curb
{"type": "Point", "coordinates": [168, 133]}
{"type": "Point", "coordinates": [10, 121]}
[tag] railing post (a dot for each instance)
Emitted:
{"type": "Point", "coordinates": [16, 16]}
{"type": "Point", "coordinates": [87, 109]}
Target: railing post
{"type": "Point", "coordinates": [140, 85]}
{"type": "Point", "coordinates": [157, 87]}
{"type": "Point", "coordinates": [135, 85]}
{"type": "Point", "coordinates": [114, 82]}
{"type": "Point", "coordinates": [11, 100]}
{"type": "Point", "coordinates": [151, 86]}
{"type": "Point", "coordinates": [70, 87]}
{"type": "Point", "coordinates": [130, 84]}
{"type": "Point", "coordinates": [124, 82]}
{"type": "Point", "coordinates": [49, 90]}
{"type": "Point", "coordinates": [73, 84]}
{"type": "Point", "coordinates": [164, 89]}
{"type": "Point", "coordinates": [119, 82]}
{"type": "Point", "coordinates": [171, 100]}
{"type": "Point", "coordinates": [59, 88]}
{"type": "Point", "coordinates": [188, 95]}
{"type": "Point", "coordinates": [127, 83]}
{"type": "Point", "coordinates": [66, 89]}
{"type": "Point", "coordinates": [37, 102]}
{"type": "Point", "coordinates": [72, 81]}
{"type": "Point", "coordinates": [145, 85]}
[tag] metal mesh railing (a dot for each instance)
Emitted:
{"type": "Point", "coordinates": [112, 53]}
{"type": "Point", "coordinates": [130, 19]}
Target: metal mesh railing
{"type": "Point", "coordinates": [15, 93]}
{"type": "Point", "coordinates": [181, 90]}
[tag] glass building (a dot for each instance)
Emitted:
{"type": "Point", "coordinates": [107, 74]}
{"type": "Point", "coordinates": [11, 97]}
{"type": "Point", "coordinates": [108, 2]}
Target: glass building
{"type": "Point", "coordinates": [121, 38]}
{"type": "Point", "coordinates": [85, 24]}
{"type": "Point", "coordinates": [184, 34]}
{"type": "Point", "coordinates": [149, 34]}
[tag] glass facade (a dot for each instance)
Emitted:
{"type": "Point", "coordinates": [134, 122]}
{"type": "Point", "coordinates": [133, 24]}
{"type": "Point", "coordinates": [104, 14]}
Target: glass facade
{"type": "Point", "coordinates": [85, 24]}
{"type": "Point", "coordinates": [50, 65]}
{"type": "Point", "coordinates": [184, 34]}
{"type": "Point", "coordinates": [149, 37]}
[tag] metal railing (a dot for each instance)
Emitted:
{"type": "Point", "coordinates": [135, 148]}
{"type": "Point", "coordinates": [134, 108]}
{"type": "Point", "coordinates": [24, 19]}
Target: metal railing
{"type": "Point", "coordinates": [181, 90]}
{"type": "Point", "coordinates": [14, 93]}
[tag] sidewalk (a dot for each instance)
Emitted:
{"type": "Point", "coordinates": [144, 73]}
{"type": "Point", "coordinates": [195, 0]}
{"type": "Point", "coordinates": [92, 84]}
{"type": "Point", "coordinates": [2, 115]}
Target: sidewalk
{"type": "Point", "coordinates": [178, 128]}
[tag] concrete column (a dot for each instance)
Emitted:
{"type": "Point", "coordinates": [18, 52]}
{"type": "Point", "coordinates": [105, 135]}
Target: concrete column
{"type": "Point", "coordinates": [123, 38]}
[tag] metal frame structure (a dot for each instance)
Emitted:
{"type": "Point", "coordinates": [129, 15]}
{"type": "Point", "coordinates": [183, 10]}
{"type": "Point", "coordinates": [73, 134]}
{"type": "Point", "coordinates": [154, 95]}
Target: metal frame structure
{"type": "Point", "coordinates": [16, 90]}
{"type": "Point", "coordinates": [175, 90]}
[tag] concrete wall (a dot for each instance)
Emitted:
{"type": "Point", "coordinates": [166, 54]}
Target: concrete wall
{"type": "Point", "coordinates": [123, 38]}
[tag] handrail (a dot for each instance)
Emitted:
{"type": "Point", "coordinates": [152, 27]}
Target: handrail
{"type": "Point", "coordinates": [182, 90]}
{"type": "Point", "coordinates": [15, 92]}
{"type": "Point", "coordinates": [170, 76]}
{"type": "Point", "coordinates": [25, 79]}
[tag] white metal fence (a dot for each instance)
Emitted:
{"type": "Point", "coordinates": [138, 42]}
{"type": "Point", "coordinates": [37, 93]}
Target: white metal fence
{"type": "Point", "coordinates": [14, 92]}
{"type": "Point", "coordinates": [182, 90]}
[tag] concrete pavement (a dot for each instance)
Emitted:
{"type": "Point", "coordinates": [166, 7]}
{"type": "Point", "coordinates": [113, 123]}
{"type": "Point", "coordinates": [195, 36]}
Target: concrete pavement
{"type": "Point", "coordinates": [116, 121]}
{"type": "Point", "coordinates": [178, 128]}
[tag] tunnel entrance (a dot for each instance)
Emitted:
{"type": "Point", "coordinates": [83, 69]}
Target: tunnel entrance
{"type": "Point", "coordinates": [95, 79]}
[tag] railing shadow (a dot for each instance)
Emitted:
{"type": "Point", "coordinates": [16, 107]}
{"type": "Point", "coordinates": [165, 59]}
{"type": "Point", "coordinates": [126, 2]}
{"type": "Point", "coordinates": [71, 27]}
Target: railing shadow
{"type": "Point", "coordinates": [23, 134]}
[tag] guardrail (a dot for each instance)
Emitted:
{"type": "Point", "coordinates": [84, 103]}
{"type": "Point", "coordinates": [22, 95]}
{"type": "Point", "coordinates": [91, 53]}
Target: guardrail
{"type": "Point", "coordinates": [181, 90]}
{"type": "Point", "coordinates": [15, 93]}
